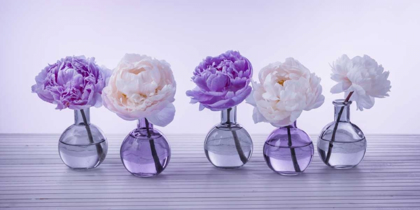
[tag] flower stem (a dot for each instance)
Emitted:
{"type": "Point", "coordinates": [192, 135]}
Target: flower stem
{"type": "Point", "coordinates": [236, 139]}
{"type": "Point", "coordinates": [153, 149]}
{"type": "Point", "coordinates": [292, 151]}
{"type": "Point", "coordinates": [89, 132]}
{"type": "Point", "coordinates": [330, 146]}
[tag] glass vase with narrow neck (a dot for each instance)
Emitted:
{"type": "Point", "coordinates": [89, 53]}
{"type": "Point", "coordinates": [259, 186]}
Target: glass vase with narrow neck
{"type": "Point", "coordinates": [228, 145]}
{"type": "Point", "coordinates": [288, 150]}
{"type": "Point", "coordinates": [341, 144]}
{"type": "Point", "coordinates": [82, 145]}
{"type": "Point", "coordinates": [145, 151]}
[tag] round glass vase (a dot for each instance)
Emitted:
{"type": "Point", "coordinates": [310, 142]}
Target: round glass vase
{"type": "Point", "coordinates": [288, 150]}
{"type": "Point", "coordinates": [228, 145]}
{"type": "Point", "coordinates": [82, 145]}
{"type": "Point", "coordinates": [145, 151]}
{"type": "Point", "coordinates": [341, 144]}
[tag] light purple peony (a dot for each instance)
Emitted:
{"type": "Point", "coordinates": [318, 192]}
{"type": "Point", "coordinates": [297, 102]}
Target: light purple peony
{"type": "Point", "coordinates": [222, 81]}
{"type": "Point", "coordinates": [73, 82]}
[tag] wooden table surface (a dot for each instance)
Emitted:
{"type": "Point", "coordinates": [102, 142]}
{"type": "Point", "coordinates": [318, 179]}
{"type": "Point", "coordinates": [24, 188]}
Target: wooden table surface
{"type": "Point", "coordinates": [32, 176]}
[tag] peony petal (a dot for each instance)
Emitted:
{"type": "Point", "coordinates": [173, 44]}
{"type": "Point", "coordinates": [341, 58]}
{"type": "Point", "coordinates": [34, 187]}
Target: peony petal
{"type": "Point", "coordinates": [364, 101]}
{"type": "Point", "coordinates": [257, 116]}
{"type": "Point", "coordinates": [221, 104]}
{"type": "Point", "coordinates": [242, 95]}
{"type": "Point", "coordinates": [250, 99]}
{"type": "Point", "coordinates": [338, 88]}
{"type": "Point", "coordinates": [201, 107]}
{"type": "Point", "coordinates": [164, 116]}
{"type": "Point", "coordinates": [217, 82]}
{"type": "Point", "coordinates": [200, 81]}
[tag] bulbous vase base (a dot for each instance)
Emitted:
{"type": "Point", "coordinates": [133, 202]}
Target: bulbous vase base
{"type": "Point", "coordinates": [343, 167]}
{"type": "Point", "coordinates": [228, 147]}
{"type": "Point", "coordinates": [343, 155]}
{"type": "Point", "coordinates": [341, 144]}
{"type": "Point", "coordinates": [145, 175]}
{"type": "Point", "coordinates": [82, 157]}
{"type": "Point", "coordinates": [289, 173]}
{"type": "Point", "coordinates": [82, 146]}
{"type": "Point", "coordinates": [288, 151]}
{"type": "Point", "coordinates": [145, 152]}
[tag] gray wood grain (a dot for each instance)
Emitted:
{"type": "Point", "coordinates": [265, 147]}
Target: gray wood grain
{"type": "Point", "coordinates": [32, 176]}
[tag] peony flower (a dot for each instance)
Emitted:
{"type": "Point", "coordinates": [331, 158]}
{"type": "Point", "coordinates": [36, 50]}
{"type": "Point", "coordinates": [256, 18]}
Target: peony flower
{"type": "Point", "coordinates": [363, 77]}
{"type": "Point", "coordinates": [141, 87]}
{"type": "Point", "coordinates": [73, 82]}
{"type": "Point", "coordinates": [284, 91]}
{"type": "Point", "coordinates": [222, 81]}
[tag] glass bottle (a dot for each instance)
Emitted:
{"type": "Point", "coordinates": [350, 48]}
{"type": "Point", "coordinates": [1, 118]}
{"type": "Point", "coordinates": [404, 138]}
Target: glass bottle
{"type": "Point", "coordinates": [228, 145]}
{"type": "Point", "coordinates": [288, 150]}
{"type": "Point", "coordinates": [341, 145]}
{"type": "Point", "coordinates": [82, 145]}
{"type": "Point", "coordinates": [145, 151]}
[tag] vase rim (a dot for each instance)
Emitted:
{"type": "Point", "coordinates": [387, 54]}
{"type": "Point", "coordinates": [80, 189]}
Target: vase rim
{"type": "Point", "coordinates": [341, 102]}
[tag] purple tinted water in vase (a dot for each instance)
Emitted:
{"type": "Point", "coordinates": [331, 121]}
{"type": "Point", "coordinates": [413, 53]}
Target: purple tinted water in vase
{"type": "Point", "coordinates": [288, 150]}
{"type": "Point", "coordinates": [145, 151]}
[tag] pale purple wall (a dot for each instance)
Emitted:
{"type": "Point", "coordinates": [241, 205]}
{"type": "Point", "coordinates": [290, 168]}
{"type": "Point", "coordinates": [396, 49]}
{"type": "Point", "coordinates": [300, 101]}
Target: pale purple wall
{"type": "Point", "coordinates": [35, 33]}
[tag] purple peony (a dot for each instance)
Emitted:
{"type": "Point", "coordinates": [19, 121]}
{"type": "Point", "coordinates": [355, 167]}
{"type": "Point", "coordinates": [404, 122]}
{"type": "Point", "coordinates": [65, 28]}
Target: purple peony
{"type": "Point", "coordinates": [222, 81]}
{"type": "Point", "coordinates": [72, 82]}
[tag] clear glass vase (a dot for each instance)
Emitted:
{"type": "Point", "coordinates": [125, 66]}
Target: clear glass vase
{"type": "Point", "coordinates": [288, 150]}
{"type": "Point", "coordinates": [82, 145]}
{"type": "Point", "coordinates": [228, 145]}
{"type": "Point", "coordinates": [341, 145]}
{"type": "Point", "coordinates": [145, 151]}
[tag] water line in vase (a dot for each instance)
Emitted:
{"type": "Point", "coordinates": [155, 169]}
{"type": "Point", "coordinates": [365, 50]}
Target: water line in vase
{"type": "Point", "coordinates": [158, 166]}
{"type": "Point", "coordinates": [292, 151]}
{"type": "Point", "coordinates": [89, 132]}
{"type": "Point", "coordinates": [236, 139]}
{"type": "Point", "coordinates": [330, 146]}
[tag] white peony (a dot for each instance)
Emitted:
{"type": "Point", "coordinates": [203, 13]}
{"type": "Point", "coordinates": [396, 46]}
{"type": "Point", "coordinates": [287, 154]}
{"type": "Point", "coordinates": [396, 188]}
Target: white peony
{"type": "Point", "coordinates": [285, 90]}
{"type": "Point", "coordinates": [141, 87]}
{"type": "Point", "coordinates": [362, 76]}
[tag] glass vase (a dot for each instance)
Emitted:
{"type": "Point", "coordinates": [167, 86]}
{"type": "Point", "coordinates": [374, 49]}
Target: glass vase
{"type": "Point", "coordinates": [145, 151]}
{"type": "Point", "coordinates": [288, 150]}
{"type": "Point", "coordinates": [228, 145]}
{"type": "Point", "coordinates": [341, 145]}
{"type": "Point", "coordinates": [82, 145]}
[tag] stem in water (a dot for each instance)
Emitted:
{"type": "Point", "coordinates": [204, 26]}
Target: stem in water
{"type": "Point", "coordinates": [330, 146]}
{"type": "Point", "coordinates": [292, 151]}
{"type": "Point", "coordinates": [89, 132]}
{"type": "Point", "coordinates": [153, 149]}
{"type": "Point", "coordinates": [236, 139]}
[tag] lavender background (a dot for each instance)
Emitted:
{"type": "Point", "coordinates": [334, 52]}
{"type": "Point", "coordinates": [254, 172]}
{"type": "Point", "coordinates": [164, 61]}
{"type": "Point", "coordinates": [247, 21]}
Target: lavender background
{"type": "Point", "coordinates": [35, 33]}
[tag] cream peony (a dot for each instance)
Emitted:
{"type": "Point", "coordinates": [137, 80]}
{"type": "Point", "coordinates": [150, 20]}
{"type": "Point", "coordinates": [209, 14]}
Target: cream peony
{"type": "Point", "coordinates": [362, 76]}
{"type": "Point", "coordinates": [285, 90]}
{"type": "Point", "coordinates": [141, 87]}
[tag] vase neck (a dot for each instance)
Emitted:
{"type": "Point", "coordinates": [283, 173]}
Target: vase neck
{"type": "Point", "coordinates": [341, 105]}
{"type": "Point", "coordinates": [229, 116]}
{"type": "Point", "coordinates": [78, 116]}
{"type": "Point", "coordinates": [144, 124]}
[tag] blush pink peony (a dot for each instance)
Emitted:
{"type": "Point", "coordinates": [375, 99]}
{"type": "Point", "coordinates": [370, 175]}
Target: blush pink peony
{"type": "Point", "coordinates": [284, 91]}
{"type": "Point", "coordinates": [141, 87]}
